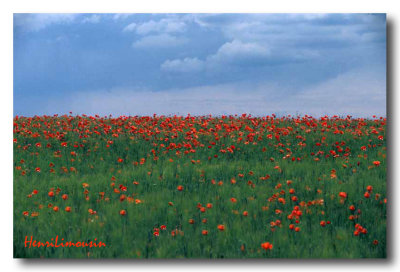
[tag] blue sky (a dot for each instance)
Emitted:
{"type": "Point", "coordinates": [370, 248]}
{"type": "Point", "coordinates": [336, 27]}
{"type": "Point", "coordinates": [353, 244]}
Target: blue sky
{"type": "Point", "coordinates": [140, 64]}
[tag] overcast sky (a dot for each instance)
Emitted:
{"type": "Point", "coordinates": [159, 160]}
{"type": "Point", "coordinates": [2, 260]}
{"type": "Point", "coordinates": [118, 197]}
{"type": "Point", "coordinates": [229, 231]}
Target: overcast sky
{"type": "Point", "coordinates": [140, 64]}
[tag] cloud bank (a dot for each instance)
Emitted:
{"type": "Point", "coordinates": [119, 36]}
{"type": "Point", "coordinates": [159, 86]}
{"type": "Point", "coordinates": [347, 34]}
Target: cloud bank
{"type": "Point", "coordinates": [39, 21]}
{"type": "Point", "coordinates": [357, 93]}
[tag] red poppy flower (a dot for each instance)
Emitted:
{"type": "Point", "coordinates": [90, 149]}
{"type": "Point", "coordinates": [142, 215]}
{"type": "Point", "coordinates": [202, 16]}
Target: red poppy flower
{"type": "Point", "coordinates": [267, 246]}
{"type": "Point", "coordinates": [342, 194]}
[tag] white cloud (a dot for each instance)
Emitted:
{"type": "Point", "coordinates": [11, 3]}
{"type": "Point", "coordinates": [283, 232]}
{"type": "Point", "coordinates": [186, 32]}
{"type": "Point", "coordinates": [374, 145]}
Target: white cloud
{"type": "Point", "coordinates": [158, 34]}
{"type": "Point", "coordinates": [281, 31]}
{"type": "Point", "coordinates": [94, 19]}
{"type": "Point", "coordinates": [130, 27]}
{"type": "Point", "coordinates": [235, 52]}
{"type": "Point", "coordinates": [159, 41]}
{"type": "Point", "coordinates": [186, 65]}
{"type": "Point", "coordinates": [165, 25]}
{"type": "Point", "coordinates": [38, 21]}
{"type": "Point", "coordinates": [239, 51]}
{"type": "Point", "coordinates": [121, 16]}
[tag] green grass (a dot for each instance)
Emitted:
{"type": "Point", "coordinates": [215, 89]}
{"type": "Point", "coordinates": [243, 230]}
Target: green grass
{"type": "Point", "coordinates": [131, 236]}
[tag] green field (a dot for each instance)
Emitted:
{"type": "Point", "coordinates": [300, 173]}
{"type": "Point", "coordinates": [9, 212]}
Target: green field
{"type": "Point", "coordinates": [261, 179]}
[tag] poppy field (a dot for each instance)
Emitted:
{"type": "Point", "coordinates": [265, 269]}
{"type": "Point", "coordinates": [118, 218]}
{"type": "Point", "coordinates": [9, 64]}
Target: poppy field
{"type": "Point", "coordinates": [200, 186]}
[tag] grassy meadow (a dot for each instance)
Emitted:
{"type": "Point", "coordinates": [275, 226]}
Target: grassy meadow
{"type": "Point", "coordinates": [200, 187]}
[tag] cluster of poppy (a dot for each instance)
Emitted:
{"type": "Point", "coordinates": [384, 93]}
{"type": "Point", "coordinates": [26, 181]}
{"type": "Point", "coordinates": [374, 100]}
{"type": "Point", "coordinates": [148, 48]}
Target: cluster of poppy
{"type": "Point", "coordinates": [165, 130]}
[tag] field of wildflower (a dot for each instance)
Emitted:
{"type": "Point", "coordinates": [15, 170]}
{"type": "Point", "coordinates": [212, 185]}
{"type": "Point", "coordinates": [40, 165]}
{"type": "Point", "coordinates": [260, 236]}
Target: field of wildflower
{"type": "Point", "coordinates": [199, 187]}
